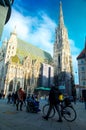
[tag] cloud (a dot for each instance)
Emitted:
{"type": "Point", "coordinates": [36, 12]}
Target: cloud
{"type": "Point", "coordinates": [39, 31]}
{"type": "Point", "coordinates": [36, 30]}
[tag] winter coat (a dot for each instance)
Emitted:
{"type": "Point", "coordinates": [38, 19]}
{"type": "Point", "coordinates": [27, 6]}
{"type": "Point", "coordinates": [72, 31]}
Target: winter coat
{"type": "Point", "coordinates": [21, 94]}
{"type": "Point", "coordinates": [54, 95]}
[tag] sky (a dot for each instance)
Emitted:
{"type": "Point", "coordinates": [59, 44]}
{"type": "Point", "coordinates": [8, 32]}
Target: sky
{"type": "Point", "coordinates": [36, 20]}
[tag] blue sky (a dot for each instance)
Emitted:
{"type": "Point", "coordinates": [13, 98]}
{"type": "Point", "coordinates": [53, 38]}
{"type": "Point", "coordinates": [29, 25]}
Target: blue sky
{"type": "Point", "coordinates": [36, 20]}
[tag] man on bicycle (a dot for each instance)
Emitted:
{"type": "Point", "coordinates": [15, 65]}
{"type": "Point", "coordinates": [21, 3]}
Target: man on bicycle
{"type": "Point", "coordinates": [54, 102]}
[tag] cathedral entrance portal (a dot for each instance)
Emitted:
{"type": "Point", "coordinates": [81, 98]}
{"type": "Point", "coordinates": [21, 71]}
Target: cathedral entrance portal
{"type": "Point", "coordinates": [18, 85]}
{"type": "Point", "coordinates": [11, 86]}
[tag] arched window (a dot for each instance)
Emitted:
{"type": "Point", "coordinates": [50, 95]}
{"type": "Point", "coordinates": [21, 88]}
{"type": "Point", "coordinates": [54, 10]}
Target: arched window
{"type": "Point", "coordinates": [59, 62]}
{"type": "Point", "coordinates": [11, 85]}
{"type": "Point", "coordinates": [18, 85]}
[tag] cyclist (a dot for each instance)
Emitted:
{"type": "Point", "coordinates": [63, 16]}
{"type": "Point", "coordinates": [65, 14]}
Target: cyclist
{"type": "Point", "coordinates": [54, 102]}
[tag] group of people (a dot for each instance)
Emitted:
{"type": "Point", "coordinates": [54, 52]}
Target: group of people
{"type": "Point", "coordinates": [17, 98]}
{"type": "Point", "coordinates": [20, 97]}
{"type": "Point", "coordinates": [2, 95]}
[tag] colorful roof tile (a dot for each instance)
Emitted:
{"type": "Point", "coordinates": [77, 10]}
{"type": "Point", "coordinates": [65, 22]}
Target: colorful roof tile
{"type": "Point", "coordinates": [26, 49]}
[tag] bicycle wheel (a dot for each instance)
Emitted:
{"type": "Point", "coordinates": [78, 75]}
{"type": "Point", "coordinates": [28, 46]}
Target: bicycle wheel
{"type": "Point", "coordinates": [45, 110]}
{"type": "Point", "coordinates": [69, 113]}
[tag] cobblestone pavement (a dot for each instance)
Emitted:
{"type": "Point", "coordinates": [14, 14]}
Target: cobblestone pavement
{"type": "Point", "coordinates": [10, 119]}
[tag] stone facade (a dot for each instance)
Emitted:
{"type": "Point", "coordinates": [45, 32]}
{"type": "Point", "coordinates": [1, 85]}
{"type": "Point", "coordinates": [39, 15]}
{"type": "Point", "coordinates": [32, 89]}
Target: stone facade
{"type": "Point", "coordinates": [23, 65]}
{"type": "Point", "coordinates": [61, 55]}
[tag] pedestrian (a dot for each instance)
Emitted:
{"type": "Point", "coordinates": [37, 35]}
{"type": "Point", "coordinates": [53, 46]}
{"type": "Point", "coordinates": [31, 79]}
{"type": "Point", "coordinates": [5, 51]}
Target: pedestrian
{"type": "Point", "coordinates": [9, 97]}
{"type": "Point", "coordinates": [54, 102]}
{"type": "Point", "coordinates": [84, 98]}
{"type": "Point", "coordinates": [13, 97]}
{"type": "Point", "coordinates": [74, 99]}
{"type": "Point", "coordinates": [20, 99]}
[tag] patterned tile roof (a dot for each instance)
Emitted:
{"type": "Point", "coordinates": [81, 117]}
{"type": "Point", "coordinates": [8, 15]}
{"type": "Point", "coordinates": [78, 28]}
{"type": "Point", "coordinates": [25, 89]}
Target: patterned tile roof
{"type": "Point", "coordinates": [26, 49]}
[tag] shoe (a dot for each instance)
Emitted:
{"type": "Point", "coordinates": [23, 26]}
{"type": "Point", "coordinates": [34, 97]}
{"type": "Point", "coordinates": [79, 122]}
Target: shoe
{"type": "Point", "coordinates": [60, 120]}
{"type": "Point", "coordinates": [45, 117]}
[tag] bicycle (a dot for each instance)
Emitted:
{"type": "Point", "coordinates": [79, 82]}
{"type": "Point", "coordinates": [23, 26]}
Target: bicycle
{"type": "Point", "coordinates": [67, 110]}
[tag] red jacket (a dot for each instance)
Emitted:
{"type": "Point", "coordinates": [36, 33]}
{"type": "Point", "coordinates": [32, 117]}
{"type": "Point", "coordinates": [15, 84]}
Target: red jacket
{"type": "Point", "coordinates": [21, 94]}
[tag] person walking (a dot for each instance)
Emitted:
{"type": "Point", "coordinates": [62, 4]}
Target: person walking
{"type": "Point", "coordinates": [9, 98]}
{"type": "Point", "coordinates": [54, 102]}
{"type": "Point", "coordinates": [20, 99]}
{"type": "Point", "coordinates": [84, 98]}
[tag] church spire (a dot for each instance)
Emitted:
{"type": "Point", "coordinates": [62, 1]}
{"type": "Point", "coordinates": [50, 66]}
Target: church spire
{"type": "Point", "coordinates": [14, 31]}
{"type": "Point", "coordinates": [61, 19]}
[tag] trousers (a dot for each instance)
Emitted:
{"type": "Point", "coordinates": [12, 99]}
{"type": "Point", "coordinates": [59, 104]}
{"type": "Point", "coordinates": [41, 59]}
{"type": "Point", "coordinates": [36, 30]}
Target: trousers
{"type": "Point", "coordinates": [57, 109]}
{"type": "Point", "coordinates": [19, 104]}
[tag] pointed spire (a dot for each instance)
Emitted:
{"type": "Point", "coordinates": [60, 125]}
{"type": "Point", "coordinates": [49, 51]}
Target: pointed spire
{"type": "Point", "coordinates": [61, 19]}
{"type": "Point", "coordinates": [14, 31]}
{"type": "Point", "coordinates": [4, 44]}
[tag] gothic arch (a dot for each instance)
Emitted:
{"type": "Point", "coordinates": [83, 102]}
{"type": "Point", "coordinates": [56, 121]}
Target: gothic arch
{"type": "Point", "coordinates": [11, 85]}
{"type": "Point", "coordinates": [18, 85]}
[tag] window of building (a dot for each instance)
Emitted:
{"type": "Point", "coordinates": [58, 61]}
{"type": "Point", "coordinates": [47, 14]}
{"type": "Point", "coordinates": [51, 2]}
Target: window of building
{"type": "Point", "coordinates": [9, 47]}
{"type": "Point", "coordinates": [84, 83]}
{"type": "Point", "coordinates": [8, 51]}
{"type": "Point", "coordinates": [59, 60]}
{"type": "Point", "coordinates": [83, 75]}
{"type": "Point", "coordinates": [82, 61]}
{"type": "Point", "coordinates": [7, 56]}
{"type": "Point", "coordinates": [82, 68]}
{"type": "Point", "coordinates": [11, 86]}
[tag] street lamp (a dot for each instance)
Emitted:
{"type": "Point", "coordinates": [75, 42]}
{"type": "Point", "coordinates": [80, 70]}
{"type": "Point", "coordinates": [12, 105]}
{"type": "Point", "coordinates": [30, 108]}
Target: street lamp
{"type": "Point", "coordinates": [76, 77]}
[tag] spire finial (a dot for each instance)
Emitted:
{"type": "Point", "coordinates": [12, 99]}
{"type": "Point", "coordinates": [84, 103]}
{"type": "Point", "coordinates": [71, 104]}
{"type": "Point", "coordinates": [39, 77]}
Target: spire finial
{"type": "Point", "coordinates": [61, 20]}
{"type": "Point", "coordinates": [14, 31]}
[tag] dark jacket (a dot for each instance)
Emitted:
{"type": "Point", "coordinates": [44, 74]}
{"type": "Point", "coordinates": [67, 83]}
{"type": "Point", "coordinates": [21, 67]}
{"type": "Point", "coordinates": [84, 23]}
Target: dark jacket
{"type": "Point", "coordinates": [53, 95]}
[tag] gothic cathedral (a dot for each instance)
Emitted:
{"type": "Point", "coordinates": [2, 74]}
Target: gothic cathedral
{"type": "Point", "coordinates": [61, 55]}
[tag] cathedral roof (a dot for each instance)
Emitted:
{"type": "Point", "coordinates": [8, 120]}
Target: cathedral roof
{"type": "Point", "coordinates": [25, 49]}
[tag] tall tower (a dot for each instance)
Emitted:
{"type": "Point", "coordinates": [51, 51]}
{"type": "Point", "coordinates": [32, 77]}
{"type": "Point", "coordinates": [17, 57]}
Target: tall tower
{"type": "Point", "coordinates": [61, 51]}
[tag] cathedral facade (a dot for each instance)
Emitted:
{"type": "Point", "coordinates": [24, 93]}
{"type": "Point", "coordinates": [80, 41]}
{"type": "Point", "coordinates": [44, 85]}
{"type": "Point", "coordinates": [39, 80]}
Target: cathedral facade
{"type": "Point", "coordinates": [23, 65]}
{"type": "Point", "coordinates": [62, 56]}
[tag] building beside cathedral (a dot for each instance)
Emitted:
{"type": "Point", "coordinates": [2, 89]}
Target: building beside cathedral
{"type": "Point", "coordinates": [23, 65]}
{"type": "Point", "coordinates": [82, 70]}
{"type": "Point", "coordinates": [5, 12]}
{"type": "Point", "coordinates": [63, 72]}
